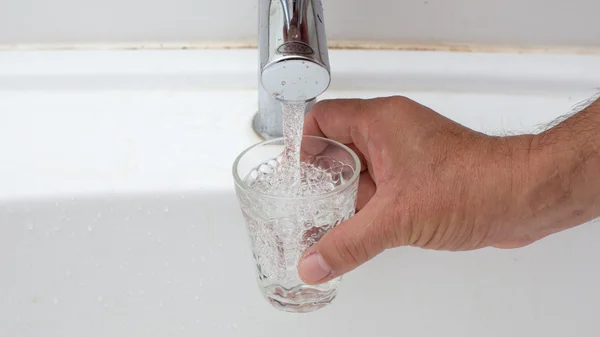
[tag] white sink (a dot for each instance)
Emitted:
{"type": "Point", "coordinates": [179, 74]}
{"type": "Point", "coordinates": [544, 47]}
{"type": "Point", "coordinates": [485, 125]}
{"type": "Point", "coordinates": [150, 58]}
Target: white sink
{"type": "Point", "coordinates": [118, 215]}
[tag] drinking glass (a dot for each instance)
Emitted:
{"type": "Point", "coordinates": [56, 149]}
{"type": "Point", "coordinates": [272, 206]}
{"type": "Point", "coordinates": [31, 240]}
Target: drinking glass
{"type": "Point", "coordinates": [281, 227]}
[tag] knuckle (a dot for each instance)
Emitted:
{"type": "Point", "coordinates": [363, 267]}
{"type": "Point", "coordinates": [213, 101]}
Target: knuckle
{"type": "Point", "coordinates": [350, 251]}
{"type": "Point", "coordinates": [319, 108]}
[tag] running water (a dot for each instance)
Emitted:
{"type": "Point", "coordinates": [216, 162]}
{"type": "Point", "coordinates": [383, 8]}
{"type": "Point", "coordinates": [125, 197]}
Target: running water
{"type": "Point", "coordinates": [293, 123]}
{"type": "Point", "coordinates": [288, 176]}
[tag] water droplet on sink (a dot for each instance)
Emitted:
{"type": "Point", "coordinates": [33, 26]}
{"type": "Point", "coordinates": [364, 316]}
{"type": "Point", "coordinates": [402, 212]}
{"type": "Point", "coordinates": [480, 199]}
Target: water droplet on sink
{"type": "Point", "coordinates": [29, 226]}
{"type": "Point", "coordinates": [90, 228]}
{"type": "Point", "coordinates": [203, 259]}
{"type": "Point", "coordinates": [68, 273]}
{"type": "Point", "coordinates": [283, 83]}
{"type": "Point", "coordinates": [166, 209]}
{"type": "Point", "coordinates": [149, 233]}
{"type": "Point", "coordinates": [100, 299]}
{"type": "Point", "coordinates": [55, 300]}
{"type": "Point", "coordinates": [56, 229]}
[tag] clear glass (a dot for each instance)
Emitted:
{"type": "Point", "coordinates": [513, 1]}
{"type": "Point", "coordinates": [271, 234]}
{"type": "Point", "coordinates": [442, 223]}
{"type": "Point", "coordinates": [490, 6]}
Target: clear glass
{"type": "Point", "coordinates": [281, 228]}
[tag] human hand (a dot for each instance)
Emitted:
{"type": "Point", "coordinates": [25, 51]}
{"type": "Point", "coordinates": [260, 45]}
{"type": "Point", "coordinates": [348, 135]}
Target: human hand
{"type": "Point", "coordinates": [427, 182]}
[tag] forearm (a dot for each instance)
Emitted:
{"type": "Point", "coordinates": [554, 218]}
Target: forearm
{"type": "Point", "coordinates": [564, 189]}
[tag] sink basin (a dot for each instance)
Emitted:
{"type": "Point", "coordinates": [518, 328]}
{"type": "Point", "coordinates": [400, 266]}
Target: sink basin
{"type": "Point", "coordinates": [118, 215]}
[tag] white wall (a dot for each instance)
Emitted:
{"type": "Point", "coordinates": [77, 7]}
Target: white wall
{"type": "Point", "coordinates": [507, 22]}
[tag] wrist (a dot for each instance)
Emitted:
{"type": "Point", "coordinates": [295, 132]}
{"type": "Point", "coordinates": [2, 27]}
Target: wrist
{"type": "Point", "coordinates": [563, 179]}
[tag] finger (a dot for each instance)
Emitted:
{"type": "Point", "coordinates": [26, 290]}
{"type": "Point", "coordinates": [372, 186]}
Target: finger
{"type": "Point", "coordinates": [343, 120]}
{"type": "Point", "coordinates": [366, 190]}
{"type": "Point", "coordinates": [311, 127]}
{"type": "Point", "coordinates": [344, 248]}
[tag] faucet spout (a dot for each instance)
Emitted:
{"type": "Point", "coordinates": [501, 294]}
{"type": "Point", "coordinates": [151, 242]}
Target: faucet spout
{"type": "Point", "coordinates": [293, 59]}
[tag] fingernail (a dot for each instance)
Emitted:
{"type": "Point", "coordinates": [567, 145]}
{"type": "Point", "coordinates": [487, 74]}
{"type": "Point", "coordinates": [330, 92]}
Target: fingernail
{"type": "Point", "coordinates": [313, 268]}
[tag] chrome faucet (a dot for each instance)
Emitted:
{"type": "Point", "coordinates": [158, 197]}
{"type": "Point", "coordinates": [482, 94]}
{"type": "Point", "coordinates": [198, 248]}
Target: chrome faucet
{"type": "Point", "coordinates": [293, 59]}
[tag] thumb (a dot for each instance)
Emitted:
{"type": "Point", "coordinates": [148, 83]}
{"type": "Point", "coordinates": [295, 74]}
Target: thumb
{"type": "Point", "coordinates": [344, 248]}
